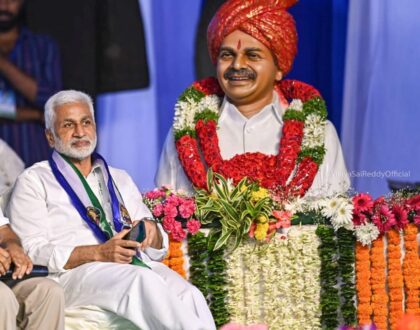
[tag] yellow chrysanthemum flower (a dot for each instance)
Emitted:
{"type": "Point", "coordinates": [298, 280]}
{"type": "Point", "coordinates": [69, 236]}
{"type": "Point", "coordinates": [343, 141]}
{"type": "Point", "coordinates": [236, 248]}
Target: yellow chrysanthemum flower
{"type": "Point", "coordinates": [261, 231]}
{"type": "Point", "coordinates": [259, 194]}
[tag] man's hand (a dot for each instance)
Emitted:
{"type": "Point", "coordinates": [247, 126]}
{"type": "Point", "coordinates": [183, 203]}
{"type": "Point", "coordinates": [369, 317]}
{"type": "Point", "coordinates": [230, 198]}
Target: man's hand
{"type": "Point", "coordinates": [153, 235]}
{"type": "Point", "coordinates": [23, 264]}
{"type": "Point", "coordinates": [5, 261]}
{"type": "Point", "coordinates": [117, 249]}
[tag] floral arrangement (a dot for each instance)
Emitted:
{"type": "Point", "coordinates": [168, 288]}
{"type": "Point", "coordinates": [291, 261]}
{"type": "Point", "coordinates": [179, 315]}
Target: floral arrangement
{"type": "Point", "coordinates": [238, 212]}
{"type": "Point", "coordinates": [301, 145]}
{"type": "Point", "coordinates": [174, 211]}
{"type": "Point", "coordinates": [288, 267]}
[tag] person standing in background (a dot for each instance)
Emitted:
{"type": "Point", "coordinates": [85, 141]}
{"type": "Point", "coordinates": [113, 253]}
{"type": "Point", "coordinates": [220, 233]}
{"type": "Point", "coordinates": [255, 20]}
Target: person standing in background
{"type": "Point", "coordinates": [30, 73]}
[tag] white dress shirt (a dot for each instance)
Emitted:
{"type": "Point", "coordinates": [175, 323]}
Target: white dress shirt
{"type": "Point", "coordinates": [260, 133]}
{"type": "Point", "coordinates": [50, 226]}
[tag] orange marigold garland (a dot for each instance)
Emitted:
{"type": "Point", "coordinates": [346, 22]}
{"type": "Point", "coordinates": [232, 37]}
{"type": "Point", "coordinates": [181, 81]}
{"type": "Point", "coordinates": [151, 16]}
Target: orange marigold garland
{"type": "Point", "coordinates": [364, 291]}
{"type": "Point", "coordinates": [395, 278]}
{"type": "Point", "coordinates": [378, 283]}
{"type": "Point", "coordinates": [175, 258]}
{"type": "Point", "coordinates": [411, 270]}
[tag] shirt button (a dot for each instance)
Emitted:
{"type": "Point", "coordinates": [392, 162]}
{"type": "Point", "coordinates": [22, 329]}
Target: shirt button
{"type": "Point", "coordinates": [249, 130]}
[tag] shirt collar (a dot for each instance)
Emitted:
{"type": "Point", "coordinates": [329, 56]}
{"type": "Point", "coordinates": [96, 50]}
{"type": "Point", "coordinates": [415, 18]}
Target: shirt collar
{"type": "Point", "coordinates": [229, 109]}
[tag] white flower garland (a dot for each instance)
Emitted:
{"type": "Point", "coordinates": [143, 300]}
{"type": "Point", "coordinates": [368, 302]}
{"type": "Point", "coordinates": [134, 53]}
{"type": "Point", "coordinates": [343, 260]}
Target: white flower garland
{"type": "Point", "coordinates": [185, 111]}
{"type": "Point", "coordinates": [277, 284]}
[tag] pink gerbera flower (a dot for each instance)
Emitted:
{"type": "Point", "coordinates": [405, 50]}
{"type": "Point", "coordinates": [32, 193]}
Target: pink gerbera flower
{"type": "Point", "coordinates": [383, 218]}
{"type": "Point", "coordinates": [401, 216]}
{"type": "Point", "coordinates": [362, 203]}
{"type": "Point", "coordinates": [359, 219]}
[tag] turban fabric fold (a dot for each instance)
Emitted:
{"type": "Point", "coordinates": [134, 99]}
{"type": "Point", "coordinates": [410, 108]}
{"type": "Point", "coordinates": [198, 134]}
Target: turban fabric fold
{"type": "Point", "coordinates": [265, 20]}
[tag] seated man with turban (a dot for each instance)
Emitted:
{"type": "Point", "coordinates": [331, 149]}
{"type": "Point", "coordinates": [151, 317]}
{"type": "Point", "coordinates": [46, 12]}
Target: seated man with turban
{"type": "Point", "coordinates": [249, 122]}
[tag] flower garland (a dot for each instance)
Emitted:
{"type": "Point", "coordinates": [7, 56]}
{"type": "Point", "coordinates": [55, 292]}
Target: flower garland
{"type": "Point", "coordinates": [277, 284]}
{"type": "Point", "coordinates": [301, 145]}
{"type": "Point", "coordinates": [395, 278]}
{"type": "Point", "coordinates": [329, 295]}
{"type": "Point", "coordinates": [175, 257]}
{"type": "Point", "coordinates": [378, 283]}
{"type": "Point", "coordinates": [197, 251]}
{"type": "Point", "coordinates": [363, 284]}
{"type": "Point", "coordinates": [411, 269]}
{"type": "Point", "coordinates": [345, 242]}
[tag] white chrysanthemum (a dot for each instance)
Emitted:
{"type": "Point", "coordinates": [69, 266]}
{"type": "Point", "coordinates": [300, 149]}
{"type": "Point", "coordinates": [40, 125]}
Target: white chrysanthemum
{"type": "Point", "coordinates": [295, 205]}
{"type": "Point", "coordinates": [314, 131]}
{"type": "Point", "coordinates": [329, 206]}
{"type": "Point", "coordinates": [343, 216]}
{"type": "Point", "coordinates": [184, 114]}
{"type": "Point", "coordinates": [296, 104]}
{"type": "Point", "coordinates": [366, 233]}
{"type": "Point", "coordinates": [210, 102]}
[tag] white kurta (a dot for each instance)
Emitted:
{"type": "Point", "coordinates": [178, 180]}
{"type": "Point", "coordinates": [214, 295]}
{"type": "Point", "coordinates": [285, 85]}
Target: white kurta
{"type": "Point", "coordinates": [260, 133]}
{"type": "Point", "coordinates": [50, 227]}
{"type": "Point", "coordinates": [3, 219]}
{"type": "Point", "coordinates": [10, 167]}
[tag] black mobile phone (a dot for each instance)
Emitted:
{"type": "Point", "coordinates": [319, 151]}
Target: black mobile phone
{"type": "Point", "coordinates": [137, 233]}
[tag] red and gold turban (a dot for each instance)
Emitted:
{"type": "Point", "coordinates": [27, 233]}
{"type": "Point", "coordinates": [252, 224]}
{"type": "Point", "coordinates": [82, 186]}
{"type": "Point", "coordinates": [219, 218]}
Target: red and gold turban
{"type": "Point", "coordinates": [265, 20]}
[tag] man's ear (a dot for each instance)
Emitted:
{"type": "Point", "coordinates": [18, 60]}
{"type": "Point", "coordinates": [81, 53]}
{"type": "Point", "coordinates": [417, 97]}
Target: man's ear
{"type": "Point", "coordinates": [279, 75]}
{"type": "Point", "coordinates": [50, 137]}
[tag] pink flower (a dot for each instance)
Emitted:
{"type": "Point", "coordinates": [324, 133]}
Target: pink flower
{"type": "Point", "coordinates": [414, 203]}
{"type": "Point", "coordinates": [158, 210]}
{"type": "Point", "coordinates": [363, 203]}
{"type": "Point", "coordinates": [401, 216]}
{"type": "Point", "coordinates": [193, 226]}
{"type": "Point", "coordinates": [168, 224]}
{"type": "Point", "coordinates": [178, 234]}
{"type": "Point", "coordinates": [154, 194]}
{"type": "Point", "coordinates": [170, 210]}
{"type": "Point", "coordinates": [283, 218]}
{"type": "Point", "coordinates": [359, 219]}
{"type": "Point", "coordinates": [173, 200]}
{"type": "Point", "coordinates": [383, 218]}
{"type": "Point", "coordinates": [251, 232]}
{"type": "Point", "coordinates": [417, 218]}
{"type": "Point", "coordinates": [187, 208]}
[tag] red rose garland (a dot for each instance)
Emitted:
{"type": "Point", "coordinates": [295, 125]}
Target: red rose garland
{"type": "Point", "coordinates": [271, 171]}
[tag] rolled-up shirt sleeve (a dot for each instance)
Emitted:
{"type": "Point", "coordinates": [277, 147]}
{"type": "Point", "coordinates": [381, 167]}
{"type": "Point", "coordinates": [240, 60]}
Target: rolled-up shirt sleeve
{"type": "Point", "coordinates": [28, 214]}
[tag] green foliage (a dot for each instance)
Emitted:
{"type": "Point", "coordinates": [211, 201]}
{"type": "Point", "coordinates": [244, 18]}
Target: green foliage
{"type": "Point", "coordinates": [294, 115]}
{"type": "Point", "coordinates": [191, 94]}
{"type": "Point", "coordinates": [206, 115]}
{"type": "Point", "coordinates": [230, 209]}
{"type": "Point", "coordinates": [315, 105]}
{"type": "Point", "coordinates": [317, 154]}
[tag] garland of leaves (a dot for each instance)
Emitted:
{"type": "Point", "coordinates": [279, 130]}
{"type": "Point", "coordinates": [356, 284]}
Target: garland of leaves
{"type": "Point", "coordinates": [395, 278]}
{"type": "Point", "coordinates": [346, 241]}
{"type": "Point", "coordinates": [197, 250]}
{"type": "Point", "coordinates": [364, 290]}
{"type": "Point", "coordinates": [378, 283]}
{"type": "Point", "coordinates": [216, 267]}
{"type": "Point", "coordinates": [329, 267]}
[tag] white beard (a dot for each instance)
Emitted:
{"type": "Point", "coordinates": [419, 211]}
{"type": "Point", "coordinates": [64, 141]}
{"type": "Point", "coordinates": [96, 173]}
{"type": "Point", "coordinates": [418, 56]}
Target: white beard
{"type": "Point", "coordinates": [72, 152]}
